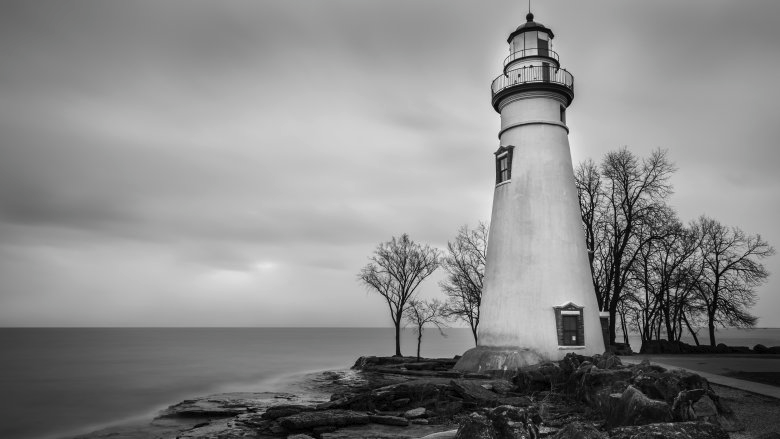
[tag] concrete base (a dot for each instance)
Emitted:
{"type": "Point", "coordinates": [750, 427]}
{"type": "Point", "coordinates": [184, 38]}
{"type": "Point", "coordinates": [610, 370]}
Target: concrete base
{"type": "Point", "coordinates": [484, 358]}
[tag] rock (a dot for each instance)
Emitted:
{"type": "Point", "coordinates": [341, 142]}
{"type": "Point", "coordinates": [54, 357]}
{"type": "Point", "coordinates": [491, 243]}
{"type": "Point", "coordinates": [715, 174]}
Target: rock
{"type": "Point", "coordinates": [682, 407]}
{"type": "Point", "coordinates": [219, 429]}
{"type": "Point", "coordinates": [476, 426]}
{"type": "Point", "coordinates": [400, 402]}
{"type": "Point", "coordinates": [388, 420]}
{"type": "Point", "coordinates": [513, 422]}
{"type": "Point", "coordinates": [222, 405]}
{"type": "Point", "coordinates": [770, 435]}
{"type": "Point", "coordinates": [318, 431]}
{"type": "Point", "coordinates": [579, 430]}
{"type": "Point", "coordinates": [300, 436]}
{"type": "Point", "coordinates": [419, 421]}
{"type": "Point", "coordinates": [283, 410]}
{"type": "Point", "coordinates": [415, 413]}
{"type": "Point", "coordinates": [502, 387]}
{"type": "Point", "coordinates": [376, 431]}
{"type": "Point", "coordinates": [449, 434]}
{"type": "Point", "coordinates": [595, 385]}
{"type": "Point", "coordinates": [473, 391]}
{"type": "Point", "coordinates": [676, 430]}
{"type": "Point", "coordinates": [546, 376]}
{"type": "Point", "coordinates": [704, 405]}
{"type": "Point", "coordinates": [607, 361]}
{"type": "Point", "coordinates": [331, 418]}
{"type": "Point", "coordinates": [632, 407]}
{"type": "Point", "coordinates": [503, 422]}
{"type": "Point", "coordinates": [667, 385]}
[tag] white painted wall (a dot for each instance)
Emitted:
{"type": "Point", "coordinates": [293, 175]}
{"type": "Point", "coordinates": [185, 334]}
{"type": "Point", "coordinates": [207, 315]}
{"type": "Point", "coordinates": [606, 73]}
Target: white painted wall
{"type": "Point", "coordinates": [536, 252]}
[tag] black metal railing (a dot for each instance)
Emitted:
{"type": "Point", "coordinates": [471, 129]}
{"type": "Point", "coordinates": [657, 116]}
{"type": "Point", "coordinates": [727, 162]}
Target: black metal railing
{"type": "Point", "coordinates": [530, 52]}
{"type": "Point", "coordinates": [533, 74]}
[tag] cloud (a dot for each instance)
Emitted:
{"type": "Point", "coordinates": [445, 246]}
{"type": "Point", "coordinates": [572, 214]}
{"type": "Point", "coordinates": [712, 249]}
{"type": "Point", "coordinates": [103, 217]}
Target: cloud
{"type": "Point", "coordinates": [156, 155]}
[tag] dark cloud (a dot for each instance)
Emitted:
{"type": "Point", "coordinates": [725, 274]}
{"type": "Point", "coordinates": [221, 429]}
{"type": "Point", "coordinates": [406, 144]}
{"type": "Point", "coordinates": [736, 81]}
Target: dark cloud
{"type": "Point", "coordinates": [250, 147]}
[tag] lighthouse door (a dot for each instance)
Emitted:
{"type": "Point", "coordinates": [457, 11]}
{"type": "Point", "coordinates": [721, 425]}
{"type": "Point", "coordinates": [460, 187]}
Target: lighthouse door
{"type": "Point", "coordinates": [546, 72]}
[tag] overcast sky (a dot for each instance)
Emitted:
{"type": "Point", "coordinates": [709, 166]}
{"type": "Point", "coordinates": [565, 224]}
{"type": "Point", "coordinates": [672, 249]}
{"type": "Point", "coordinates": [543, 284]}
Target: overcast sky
{"type": "Point", "coordinates": [201, 163]}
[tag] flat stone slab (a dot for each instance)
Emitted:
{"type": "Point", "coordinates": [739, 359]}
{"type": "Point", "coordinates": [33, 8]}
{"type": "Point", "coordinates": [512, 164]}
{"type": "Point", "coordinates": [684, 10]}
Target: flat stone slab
{"type": "Point", "coordinates": [225, 405]}
{"type": "Point", "coordinates": [325, 418]}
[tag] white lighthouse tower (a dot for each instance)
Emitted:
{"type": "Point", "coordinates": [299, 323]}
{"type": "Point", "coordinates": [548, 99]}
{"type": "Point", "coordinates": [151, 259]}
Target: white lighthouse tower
{"type": "Point", "coordinates": [538, 302]}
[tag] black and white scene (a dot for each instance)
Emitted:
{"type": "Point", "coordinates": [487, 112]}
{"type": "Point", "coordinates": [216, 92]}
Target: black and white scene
{"type": "Point", "coordinates": [406, 219]}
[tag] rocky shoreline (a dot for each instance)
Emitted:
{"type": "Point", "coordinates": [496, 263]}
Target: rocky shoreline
{"type": "Point", "coordinates": [401, 397]}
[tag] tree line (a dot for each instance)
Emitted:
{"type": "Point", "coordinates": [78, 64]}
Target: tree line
{"type": "Point", "coordinates": [654, 274]}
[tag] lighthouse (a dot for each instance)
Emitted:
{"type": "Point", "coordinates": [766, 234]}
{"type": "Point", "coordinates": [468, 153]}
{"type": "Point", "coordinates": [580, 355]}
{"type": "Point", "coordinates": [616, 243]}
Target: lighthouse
{"type": "Point", "coordinates": [538, 301]}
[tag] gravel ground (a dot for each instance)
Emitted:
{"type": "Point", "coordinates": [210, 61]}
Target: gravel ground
{"type": "Point", "coordinates": [760, 414]}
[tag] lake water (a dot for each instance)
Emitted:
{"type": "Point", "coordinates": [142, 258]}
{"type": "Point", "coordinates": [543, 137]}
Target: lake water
{"type": "Point", "coordinates": [58, 382]}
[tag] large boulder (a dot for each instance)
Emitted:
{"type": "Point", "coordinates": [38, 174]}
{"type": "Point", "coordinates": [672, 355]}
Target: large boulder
{"type": "Point", "coordinates": [632, 407]}
{"type": "Point", "coordinates": [544, 377]}
{"type": "Point", "coordinates": [503, 422]}
{"type": "Point", "coordinates": [325, 418]}
{"type": "Point", "coordinates": [668, 384]}
{"type": "Point", "coordinates": [676, 430]}
{"type": "Point", "coordinates": [705, 406]}
{"type": "Point", "coordinates": [514, 422]}
{"type": "Point", "coordinates": [595, 385]}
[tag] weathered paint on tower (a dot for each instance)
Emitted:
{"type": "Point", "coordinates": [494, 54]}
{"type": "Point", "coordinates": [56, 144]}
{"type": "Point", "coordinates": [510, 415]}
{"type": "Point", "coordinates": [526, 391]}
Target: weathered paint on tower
{"type": "Point", "coordinates": [538, 301]}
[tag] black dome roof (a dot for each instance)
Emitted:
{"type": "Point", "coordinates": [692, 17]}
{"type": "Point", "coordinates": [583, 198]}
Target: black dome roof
{"type": "Point", "coordinates": [530, 25]}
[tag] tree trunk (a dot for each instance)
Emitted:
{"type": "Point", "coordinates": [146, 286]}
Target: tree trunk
{"type": "Point", "coordinates": [398, 339]}
{"type": "Point", "coordinates": [474, 333]}
{"type": "Point", "coordinates": [711, 327]}
{"type": "Point", "coordinates": [624, 328]}
{"type": "Point", "coordinates": [693, 334]}
{"type": "Point", "coordinates": [612, 314]}
{"type": "Point", "coordinates": [419, 341]}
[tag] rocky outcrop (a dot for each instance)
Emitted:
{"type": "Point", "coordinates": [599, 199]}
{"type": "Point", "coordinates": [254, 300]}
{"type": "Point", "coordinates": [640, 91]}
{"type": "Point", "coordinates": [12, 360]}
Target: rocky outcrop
{"type": "Point", "coordinates": [578, 397]}
{"type": "Point", "coordinates": [224, 405]}
{"type": "Point", "coordinates": [677, 430]}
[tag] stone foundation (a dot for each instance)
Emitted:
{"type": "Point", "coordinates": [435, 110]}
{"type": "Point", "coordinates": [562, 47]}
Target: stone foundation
{"type": "Point", "coordinates": [485, 358]}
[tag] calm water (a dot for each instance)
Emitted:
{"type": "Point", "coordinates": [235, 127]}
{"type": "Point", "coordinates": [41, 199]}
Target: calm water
{"type": "Point", "coordinates": [56, 382]}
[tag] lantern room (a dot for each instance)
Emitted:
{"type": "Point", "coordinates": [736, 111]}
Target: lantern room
{"type": "Point", "coordinates": [530, 45]}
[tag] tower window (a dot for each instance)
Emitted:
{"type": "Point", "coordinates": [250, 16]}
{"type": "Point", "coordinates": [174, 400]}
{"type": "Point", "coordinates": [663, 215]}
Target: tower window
{"type": "Point", "coordinates": [504, 164]}
{"type": "Point", "coordinates": [570, 326]}
{"type": "Point", "coordinates": [563, 114]}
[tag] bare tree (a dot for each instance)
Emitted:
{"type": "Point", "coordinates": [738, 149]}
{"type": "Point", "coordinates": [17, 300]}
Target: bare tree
{"type": "Point", "coordinates": [625, 198]}
{"type": "Point", "coordinates": [664, 276]}
{"type": "Point", "coordinates": [423, 312]}
{"type": "Point", "coordinates": [731, 272]}
{"type": "Point", "coordinates": [590, 192]}
{"type": "Point", "coordinates": [465, 266]}
{"type": "Point", "coordinates": [396, 270]}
